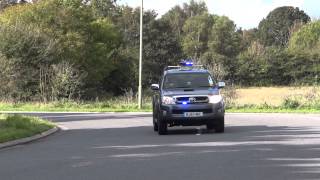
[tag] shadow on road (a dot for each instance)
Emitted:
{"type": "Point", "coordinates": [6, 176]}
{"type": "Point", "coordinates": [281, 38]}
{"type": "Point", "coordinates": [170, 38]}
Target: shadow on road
{"type": "Point", "coordinates": [135, 153]}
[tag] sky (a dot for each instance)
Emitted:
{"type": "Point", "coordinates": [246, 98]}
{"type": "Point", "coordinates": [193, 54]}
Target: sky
{"type": "Point", "coordinates": [245, 13]}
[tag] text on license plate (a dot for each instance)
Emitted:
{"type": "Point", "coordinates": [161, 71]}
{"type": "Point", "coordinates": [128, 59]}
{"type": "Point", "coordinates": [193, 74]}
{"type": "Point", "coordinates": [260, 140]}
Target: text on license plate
{"type": "Point", "coordinates": [193, 114]}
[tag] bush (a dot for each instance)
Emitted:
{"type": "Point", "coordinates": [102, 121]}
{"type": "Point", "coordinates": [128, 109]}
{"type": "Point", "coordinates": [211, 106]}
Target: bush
{"type": "Point", "coordinates": [291, 103]}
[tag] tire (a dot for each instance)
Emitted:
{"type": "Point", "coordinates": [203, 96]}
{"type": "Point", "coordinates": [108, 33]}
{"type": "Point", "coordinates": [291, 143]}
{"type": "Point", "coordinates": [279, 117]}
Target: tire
{"type": "Point", "coordinates": [154, 118]}
{"type": "Point", "coordinates": [162, 125]}
{"type": "Point", "coordinates": [210, 126]}
{"type": "Point", "coordinates": [219, 127]}
{"type": "Point", "coordinates": [155, 124]}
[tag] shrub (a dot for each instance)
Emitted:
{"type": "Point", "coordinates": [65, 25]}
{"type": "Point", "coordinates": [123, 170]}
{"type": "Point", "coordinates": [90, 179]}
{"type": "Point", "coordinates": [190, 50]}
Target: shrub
{"type": "Point", "coordinates": [291, 103]}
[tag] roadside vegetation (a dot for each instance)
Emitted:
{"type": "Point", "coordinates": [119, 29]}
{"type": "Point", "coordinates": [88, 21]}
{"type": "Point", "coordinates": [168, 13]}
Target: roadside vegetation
{"type": "Point", "coordinates": [14, 127]}
{"type": "Point", "coordinates": [254, 99]}
{"type": "Point", "coordinates": [280, 99]}
{"type": "Point", "coordinates": [83, 55]}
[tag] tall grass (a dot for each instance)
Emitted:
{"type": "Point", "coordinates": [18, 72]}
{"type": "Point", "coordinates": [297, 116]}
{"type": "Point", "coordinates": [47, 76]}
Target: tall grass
{"type": "Point", "coordinates": [277, 99]}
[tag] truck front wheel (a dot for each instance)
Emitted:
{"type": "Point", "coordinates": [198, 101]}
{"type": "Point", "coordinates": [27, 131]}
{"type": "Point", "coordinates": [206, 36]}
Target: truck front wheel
{"type": "Point", "coordinates": [219, 127]}
{"type": "Point", "coordinates": [162, 125]}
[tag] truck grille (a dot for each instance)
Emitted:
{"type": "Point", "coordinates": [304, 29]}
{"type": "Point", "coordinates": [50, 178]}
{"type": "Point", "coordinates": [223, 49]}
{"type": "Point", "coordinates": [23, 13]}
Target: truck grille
{"type": "Point", "coordinates": [192, 99]}
{"type": "Point", "coordinates": [205, 111]}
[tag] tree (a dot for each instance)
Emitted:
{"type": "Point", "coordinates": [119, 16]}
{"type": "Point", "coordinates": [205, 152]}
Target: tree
{"type": "Point", "coordinates": [304, 53]}
{"type": "Point", "coordinates": [194, 8]}
{"type": "Point", "coordinates": [196, 34]}
{"type": "Point", "coordinates": [176, 17]}
{"type": "Point", "coordinates": [248, 37]}
{"type": "Point", "coordinates": [251, 65]}
{"type": "Point", "coordinates": [162, 48]}
{"type": "Point", "coordinates": [307, 38]}
{"type": "Point", "coordinates": [224, 44]}
{"type": "Point", "coordinates": [275, 29]}
{"type": "Point", "coordinates": [303, 67]}
{"type": "Point", "coordinates": [37, 36]}
{"type": "Point", "coordinates": [104, 8]}
{"type": "Point", "coordinates": [262, 66]}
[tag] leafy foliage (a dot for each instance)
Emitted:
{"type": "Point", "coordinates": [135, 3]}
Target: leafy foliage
{"type": "Point", "coordinates": [307, 38]}
{"type": "Point", "coordinates": [51, 32]}
{"type": "Point", "coordinates": [196, 31]}
{"type": "Point", "coordinates": [86, 50]}
{"type": "Point", "coordinates": [276, 29]}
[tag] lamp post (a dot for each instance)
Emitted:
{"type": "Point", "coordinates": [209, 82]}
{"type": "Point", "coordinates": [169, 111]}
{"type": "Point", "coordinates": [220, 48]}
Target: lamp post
{"type": "Point", "coordinates": [140, 58]}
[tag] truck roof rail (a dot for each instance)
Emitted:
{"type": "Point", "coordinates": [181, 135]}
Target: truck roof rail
{"type": "Point", "coordinates": [172, 67]}
{"type": "Point", "coordinates": [185, 68]}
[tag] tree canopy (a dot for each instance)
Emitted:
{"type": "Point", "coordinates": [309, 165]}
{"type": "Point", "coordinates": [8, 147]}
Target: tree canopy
{"type": "Point", "coordinates": [276, 28]}
{"type": "Point", "coordinates": [307, 38]}
{"type": "Point", "coordinates": [75, 49]}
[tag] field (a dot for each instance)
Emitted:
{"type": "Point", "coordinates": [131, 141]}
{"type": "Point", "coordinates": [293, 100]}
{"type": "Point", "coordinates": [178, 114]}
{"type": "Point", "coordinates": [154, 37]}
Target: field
{"type": "Point", "coordinates": [274, 99]}
{"type": "Point", "coordinates": [253, 99]}
{"type": "Point", "coordinates": [275, 96]}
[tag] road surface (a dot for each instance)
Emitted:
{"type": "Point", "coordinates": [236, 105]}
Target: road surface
{"type": "Point", "coordinates": [124, 147]}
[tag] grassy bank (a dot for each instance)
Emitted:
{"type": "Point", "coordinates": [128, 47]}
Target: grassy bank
{"type": "Point", "coordinates": [289, 107]}
{"type": "Point", "coordinates": [14, 127]}
{"type": "Point", "coordinates": [133, 107]}
{"type": "Point", "coordinates": [254, 99]}
{"type": "Point", "coordinates": [107, 106]}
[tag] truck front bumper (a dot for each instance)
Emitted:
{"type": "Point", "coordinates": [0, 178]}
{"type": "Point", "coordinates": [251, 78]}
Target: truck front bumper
{"type": "Point", "coordinates": [175, 114]}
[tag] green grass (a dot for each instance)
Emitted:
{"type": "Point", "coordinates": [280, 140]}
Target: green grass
{"type": "Point", "coordinates": [107, 106]}
{"type": "Point", "coordinates": [14, 127]}
{"type": "Point", "coordinates": [253, 100]}
{"type": "Point", "coordinates": [120, 106]}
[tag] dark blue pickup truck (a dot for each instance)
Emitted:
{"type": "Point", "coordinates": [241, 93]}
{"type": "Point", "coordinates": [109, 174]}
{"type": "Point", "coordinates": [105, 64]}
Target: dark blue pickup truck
{"type": "Point", "coordinates": [187, 95]}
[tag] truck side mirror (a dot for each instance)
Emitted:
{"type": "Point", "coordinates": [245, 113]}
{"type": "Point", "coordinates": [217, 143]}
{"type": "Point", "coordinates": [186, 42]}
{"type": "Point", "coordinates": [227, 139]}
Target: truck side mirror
{"type": "Point", "coordinates": [155, 87]}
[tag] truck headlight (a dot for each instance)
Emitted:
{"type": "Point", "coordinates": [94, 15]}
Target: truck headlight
{"type": "Point", "coordinates": [214, 99]}
{"type": "Point", "coordinates": [167, 100]}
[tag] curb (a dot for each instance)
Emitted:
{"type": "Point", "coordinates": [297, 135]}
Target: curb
{"type": "Point", "coordinates": [29, 139]}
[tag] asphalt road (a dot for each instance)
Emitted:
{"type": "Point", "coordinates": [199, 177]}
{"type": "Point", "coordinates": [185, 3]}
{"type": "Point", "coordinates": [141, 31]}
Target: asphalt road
{"type": "Point", "coordinates": [124, 147]}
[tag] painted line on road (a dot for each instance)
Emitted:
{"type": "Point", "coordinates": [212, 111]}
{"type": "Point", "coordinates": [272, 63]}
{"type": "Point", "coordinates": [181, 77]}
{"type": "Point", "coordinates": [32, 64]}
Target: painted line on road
{"type": "Point", "coordinates": [63, 128]}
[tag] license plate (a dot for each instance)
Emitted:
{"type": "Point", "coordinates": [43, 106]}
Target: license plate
{"type": "Point", "coordinates": [193, 114]}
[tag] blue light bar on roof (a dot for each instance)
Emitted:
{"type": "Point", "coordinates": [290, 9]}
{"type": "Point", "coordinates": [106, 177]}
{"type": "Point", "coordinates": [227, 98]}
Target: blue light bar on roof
{"type": "Point", "coordinates": [186, 63]}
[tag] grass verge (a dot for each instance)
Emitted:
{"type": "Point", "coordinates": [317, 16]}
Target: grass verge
{"type": "Point", "coordinates": [107, 106]}
{"type": "Point", "coordinates": [133, 107]}
{"type": "Point", "coordinates": [246, 100]}
{"type": "Point", "coordinates": [14, 127]}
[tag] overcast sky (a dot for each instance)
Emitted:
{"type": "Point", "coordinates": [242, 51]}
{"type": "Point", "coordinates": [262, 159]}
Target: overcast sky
{"type": "Point", "coordinates": [245, 13]}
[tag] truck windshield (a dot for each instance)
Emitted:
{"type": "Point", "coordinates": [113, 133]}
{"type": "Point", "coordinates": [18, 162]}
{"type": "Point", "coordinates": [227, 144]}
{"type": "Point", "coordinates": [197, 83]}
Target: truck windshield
{"type": "Point", "coordinates": [187, 80]}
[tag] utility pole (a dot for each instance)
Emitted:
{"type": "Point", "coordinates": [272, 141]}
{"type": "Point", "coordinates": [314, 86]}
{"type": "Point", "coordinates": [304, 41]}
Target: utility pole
{"type": "Point", "coordinates": [140, 59]}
